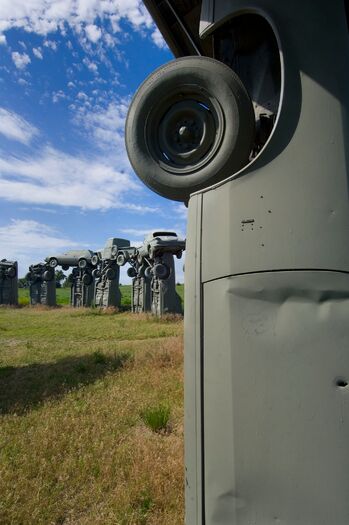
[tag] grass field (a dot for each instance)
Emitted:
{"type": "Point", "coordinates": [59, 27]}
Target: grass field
{"type": "Point", "coordinates": [91, 411]}
{"type": "Point", "coordinates": [63, 295]}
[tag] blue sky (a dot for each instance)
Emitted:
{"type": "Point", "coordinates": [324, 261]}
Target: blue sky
{"type": "Point", "coordinates": [68, 70]}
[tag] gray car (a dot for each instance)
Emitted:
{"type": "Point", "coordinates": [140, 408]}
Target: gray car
{"type": "Point", "coordinates": [79, 258]}
{"type": "Point", "coordinates": [159, 242]}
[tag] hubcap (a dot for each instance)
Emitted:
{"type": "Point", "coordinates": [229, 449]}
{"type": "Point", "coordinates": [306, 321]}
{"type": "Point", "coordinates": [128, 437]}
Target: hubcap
{"type": "Point", "coordinates": [185, 130]}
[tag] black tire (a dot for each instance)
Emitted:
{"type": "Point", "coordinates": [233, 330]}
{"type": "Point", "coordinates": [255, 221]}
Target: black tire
{"type": "Point", "coordinates": [148, 272]}
{"type": "Point", "coordinates": [110, 274]}
{"type": "Point", "coordinates": [121, 259]}
{"type": "Point", "coordinates": [53, 262]}
{"type": "Point", "coordinates": [96, 273]}
{"type": "Point", "coordinates": [48, 275]}
{"type": "Point", "coordinates": [65, 267]}
{"type": "Point", "coordinates": [161, 271]}
{"type": "Point", "coordinates": [82, 263]}
{"type": "Point", "coordinates": [94, 259]}
{"type": "Point", "coordinates": [87, 279]}
{"type": "Point", "coordinates": [191, 124]}
{"type": "Point", "coordinates": [11, 272]}
{"type": "Point", "coordinates": [131, 272]}
{"type": "Point", "coordinates": [75, 272]}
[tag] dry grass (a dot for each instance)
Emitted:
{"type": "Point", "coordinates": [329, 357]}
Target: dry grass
{"type": "Point", "coordinates": [73, 447]}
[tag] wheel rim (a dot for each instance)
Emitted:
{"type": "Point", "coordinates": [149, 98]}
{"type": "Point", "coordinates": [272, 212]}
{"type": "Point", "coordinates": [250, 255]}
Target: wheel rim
{"type": "Point", "coordinates": [185, 130]}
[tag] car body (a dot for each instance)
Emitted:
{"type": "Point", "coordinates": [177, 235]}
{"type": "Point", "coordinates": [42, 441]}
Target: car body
{"type": "Point", "coordinates": [160, 241]}
{"type": "Point", "coordinates": [267, 267]}
{"type": "Point", "coordinates": [111, 248]}
{"type": "Point", "coordinates": [70, 258]}
{"type": "Point", "coordinates": [8, 269]}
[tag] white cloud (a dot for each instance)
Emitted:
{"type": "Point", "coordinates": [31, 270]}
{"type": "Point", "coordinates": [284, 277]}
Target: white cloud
{"type": "Point", "coordinates": [181, 210]}
{"type": "Point", "coordinates": [90, 65]}
{"type": "Point", "coordinates": [106, 126]}
{"type": "Point", "coordinates": [82, 16]}
{"type": "Point", "coordinates": [158, 39]}
{"type": "Point", "coordinates": [3, 40]}
{"type": "Point", "coordinates": [28, 242]}
{"type": "Point", "coordinates": [56, 178]}
{"type": "Point", "coordinates": [38, 53]}
{"type": "Point", "coordinates": [14, 127]}
{"type": "Point", "coordinates": [51, 44]}
{"type": "Point", "coordinates": [23, 82]}
{"type": "Point", "coordinates": [58, 95]}
{"type": "Point", "coordinates": [20, 60]}
{"type": "Point", "coordinates": [93, 33]}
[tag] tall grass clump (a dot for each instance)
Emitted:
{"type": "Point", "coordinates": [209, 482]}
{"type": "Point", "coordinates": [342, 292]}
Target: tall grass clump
{"type": "Point", "coordinates": [157, 418]}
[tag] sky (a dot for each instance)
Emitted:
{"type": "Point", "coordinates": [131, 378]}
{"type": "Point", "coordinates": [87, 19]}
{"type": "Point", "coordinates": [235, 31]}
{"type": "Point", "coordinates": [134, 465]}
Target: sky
{"type": "Point", "coordinates": [68, 71]}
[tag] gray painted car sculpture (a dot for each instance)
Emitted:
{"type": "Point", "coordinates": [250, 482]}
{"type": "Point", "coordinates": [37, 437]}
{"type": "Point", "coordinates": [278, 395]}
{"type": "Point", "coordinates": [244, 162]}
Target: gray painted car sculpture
{"type": "Point", "coordinates": [42, 284]}
{"type": "Point", "coordinates": [71, 258]}
{"type": "Point", "coordinates": [107, 273]}
{"type": "Point", "coordinates": [248, 126]}
{"type": "Point", "coordinates": [8, 282]}
{"type": "Point", "coordinates": [153, 272]}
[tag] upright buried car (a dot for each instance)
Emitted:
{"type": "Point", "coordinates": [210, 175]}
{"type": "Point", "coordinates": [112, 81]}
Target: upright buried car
{"type": "Point", "coordinates": [249, 127]}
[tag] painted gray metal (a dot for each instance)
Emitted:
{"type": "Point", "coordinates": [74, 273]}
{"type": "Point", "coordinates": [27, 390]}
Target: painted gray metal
{"type": "Point", "coordinates": [141, 285]}
{"type": "Point", "coordinates": [150, 293]}
{"type": "Point", "coordinates": [81, 295]}
{"type": "Point", "coordinates": [275, 403]}
{"type": "Point", "coordinates": [41, 290]}
{"type": "Point", "coordinates": [164, 298]}
{"type": "Point", "coordinates": [8, 282]}
{"type": "Point", "coordinates": [266, 293]}
{"type": "Point", "coordinates": [266, 364]}
{"type": "Point", "coordinates": [70, 258]}
{"type": "Point", "coordinates": [107, 290]}
{"type": "Point", "coordinates": [141, 295]}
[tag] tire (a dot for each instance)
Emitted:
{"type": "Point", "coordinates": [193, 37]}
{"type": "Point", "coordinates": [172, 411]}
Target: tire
{"type": "Point", "coordinates": [48, 275]}
{"type": "Point", "coordinates": [110, 274]}
{"type": "Point", "coordinates": [11, 272]}
{"type": "Point", "coordinates": [121, 259]}
{"type": "Point", "coordinates": [53, 262]}
{"type": "Point", "coordinates": [131, 272]}
{"type": "Point", "coordinates": [191, 124]}
{"type": "Point", "coordinates": [75, 272]}
{"type": "Point", "coordinates": [114, 250]}
{"type": "Point", "coordinates": [96, 273]}
{"type": "Point", "coordinates": [94, 260]}
{"type": "Point", "coordinates": [161, 271]}
{"type": "Point", "coordinates": [148, 272]}
{"type": "Point", "coordinates": [87, 279]}
{"type": "Point", "coordinates": [65, 267]}
{"type": "Point", "coordinates": [82, 263]}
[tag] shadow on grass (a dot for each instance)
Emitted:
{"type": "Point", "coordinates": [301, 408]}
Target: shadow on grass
{"type": "Point", "coordinates": [23, 388]}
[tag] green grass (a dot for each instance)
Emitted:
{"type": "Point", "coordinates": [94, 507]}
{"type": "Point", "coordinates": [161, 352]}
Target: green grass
{"type": "Point", "coordinates": [73, 447]}
{"type": "Point", "coordinates": [157, 418]}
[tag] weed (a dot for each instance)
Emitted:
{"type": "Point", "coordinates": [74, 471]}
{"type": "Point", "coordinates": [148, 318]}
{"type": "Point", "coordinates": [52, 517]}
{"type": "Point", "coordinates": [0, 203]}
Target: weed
{"type": "Point", "coordinates": [81, 368]}
{"type": "Point", "coordinates": [143, 505]}
{"type": "Point", "coordinates": [157, 418]}
{"type": "Point", "coordinates": [99, 358]}
{"type": "Point", "coordinates": [121, 359]}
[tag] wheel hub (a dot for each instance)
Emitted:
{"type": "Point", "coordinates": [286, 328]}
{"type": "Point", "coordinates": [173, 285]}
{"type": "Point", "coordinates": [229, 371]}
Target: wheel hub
{"type": "Point", "coordinates": [186, 133]}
